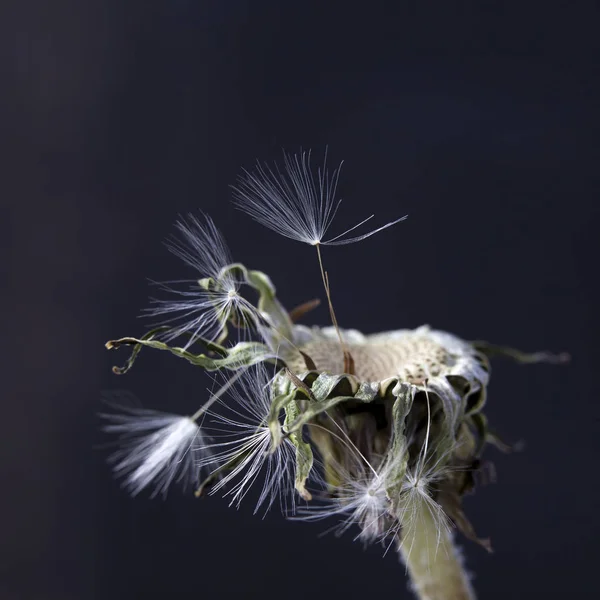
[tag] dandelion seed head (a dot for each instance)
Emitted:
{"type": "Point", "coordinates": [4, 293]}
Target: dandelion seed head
{"type": "Point", "coordinates": [394, 418]}
{"type": "Point", "coordinates": [157, 449]}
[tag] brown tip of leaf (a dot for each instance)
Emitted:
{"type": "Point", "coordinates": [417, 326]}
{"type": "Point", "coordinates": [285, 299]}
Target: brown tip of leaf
{"type": "Point", "coordinates": [308, 361]}
{"type": "Point", "coordinates": [110, 345]}
{"type": "Point", "coordinates": [300, 384]}
{"type": "Point", "coordinates": [299, 311]}
{"type": "Point", "coordinates": [117, 370]}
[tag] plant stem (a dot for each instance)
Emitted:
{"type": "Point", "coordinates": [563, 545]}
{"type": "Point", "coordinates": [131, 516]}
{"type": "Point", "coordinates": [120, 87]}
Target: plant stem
{"type": "Point", "coordinates": [348, 360]}
{"type": "Point", "coordinates": [434, 563]}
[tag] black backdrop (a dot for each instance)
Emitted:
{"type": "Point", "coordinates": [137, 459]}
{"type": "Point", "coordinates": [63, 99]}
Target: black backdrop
{"type": "Point", "coordinates": [480, 123]}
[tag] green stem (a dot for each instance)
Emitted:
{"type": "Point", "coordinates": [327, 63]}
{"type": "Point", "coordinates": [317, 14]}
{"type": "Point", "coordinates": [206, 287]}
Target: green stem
{"type": "Point", "coordinates": [434, 563]}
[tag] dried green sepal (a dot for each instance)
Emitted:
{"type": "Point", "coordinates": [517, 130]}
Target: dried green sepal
{"type": "Point", "coordinates": [397, 458]}
{"type": "Point", "coordinates": [479, 423]}
{"type": "Point", "coordinates": [526, 358]}
{"type": "Point", "coordinates": [136, 349]}
{"type": "Point", "coordinates": [304, 455]}
{"type": "Point", "coordinates": [268, 305]}
{"type": "Point", "coordinates": [243, 354]}
{"type": "Point", "coordinates": [327, 386]}
{"type": "Point", "coordinates": [279, 403]}
{"type": "Point", "coordinates": [450, 500]}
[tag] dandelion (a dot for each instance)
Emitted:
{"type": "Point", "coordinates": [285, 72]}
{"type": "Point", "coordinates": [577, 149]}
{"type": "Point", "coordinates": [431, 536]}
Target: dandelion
{"type": "Point", "coordinates": [384, 431]}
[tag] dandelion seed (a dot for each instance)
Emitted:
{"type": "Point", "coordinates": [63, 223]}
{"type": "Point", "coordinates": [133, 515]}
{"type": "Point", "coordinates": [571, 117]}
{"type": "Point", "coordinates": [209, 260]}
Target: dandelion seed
{"type": "Point", "coordinates": [157, 448]}
{"type": "Point", "coordinates": [295, 202]}
{"type": "Point", "coordinates": [203, 309]}
{"type": "Point", "coordinates": [301, 206]}
{"type": "Point", "coordinates": [361, 499]}
{"type": "Point", "coordinates": [361, 502]}
{"type": "Point", "coordinates": [243, 440]}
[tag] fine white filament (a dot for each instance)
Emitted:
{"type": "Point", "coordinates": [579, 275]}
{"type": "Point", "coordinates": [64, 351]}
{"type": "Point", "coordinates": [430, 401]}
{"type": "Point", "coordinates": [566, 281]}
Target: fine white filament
{"type": "Point", "coordinates": [242, 439]}
{"type": "Point", "coordinates": [198, 312]}
{"type": "Point", "coordinates": [295, 202]}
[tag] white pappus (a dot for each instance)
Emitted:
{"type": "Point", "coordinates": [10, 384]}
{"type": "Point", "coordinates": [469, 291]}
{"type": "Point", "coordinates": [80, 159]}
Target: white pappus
{"type": "Point", "coordinates": [157, 448]}
{"type": "Point", "coordinates": [295, 202]}
{"type": "Point", "coordinates": [362, 501]}
{"type": "Point", "coordinates": [242, 448]}
{"type": "Point", "coordinates": [232, 445]}
{"type": "Point", "coordinates": [361, 498]}
{"type": "Point", "coordinates": [198, 311]}
{"type": "Point", "coordinates": [415, 503]}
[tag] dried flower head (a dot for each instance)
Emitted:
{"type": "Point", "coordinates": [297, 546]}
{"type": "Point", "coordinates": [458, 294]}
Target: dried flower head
{"type": "Point", "coordinates": [394, 419]}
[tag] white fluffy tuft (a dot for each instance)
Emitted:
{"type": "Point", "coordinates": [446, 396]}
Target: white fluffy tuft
{"type": "Point", "coordinates": [296, 202]}
{"type": "Point", "coordinates": [362, 502]}
{"type": "Point", "coordinates": [362, 496]}
{"type": "Point", "coordinates": [243, 440]}
{"type": "Point", "coordinates": [416, 506]}
{"type": "Point", "coordinates": [198, 312]}
{"type": "Point", "coordinates": [157, 449]}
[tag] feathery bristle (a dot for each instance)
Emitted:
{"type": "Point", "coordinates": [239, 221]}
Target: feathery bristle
{"type": "Point", "coordinates": [242, 439]}
{"type": "Point", "coordinates": [201, 312]}
{"type": "Point", "coordinates": [296, 202]}
{"type": "Point", "coordinates": [156, 448]}
{"type": "Point", "coordinates": [415, 503]}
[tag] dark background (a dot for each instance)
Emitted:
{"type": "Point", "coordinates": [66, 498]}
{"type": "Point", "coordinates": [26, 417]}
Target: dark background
{"type": "Point", "coordinates": [478, 121]}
